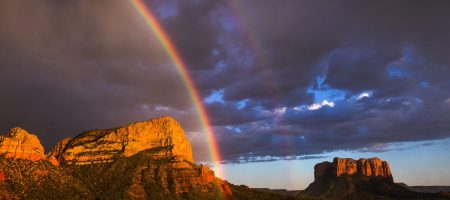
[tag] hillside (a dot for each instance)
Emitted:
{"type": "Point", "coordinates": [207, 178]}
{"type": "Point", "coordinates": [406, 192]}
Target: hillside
{"type": "Point", "coordinates": [145, 160]}
{"type": "Point", "coordinates": [153, 160]}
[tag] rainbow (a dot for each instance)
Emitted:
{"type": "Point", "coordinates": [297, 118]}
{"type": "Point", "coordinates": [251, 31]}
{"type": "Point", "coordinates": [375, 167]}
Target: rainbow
{"type": "Point", "coordinates": [163, 37]}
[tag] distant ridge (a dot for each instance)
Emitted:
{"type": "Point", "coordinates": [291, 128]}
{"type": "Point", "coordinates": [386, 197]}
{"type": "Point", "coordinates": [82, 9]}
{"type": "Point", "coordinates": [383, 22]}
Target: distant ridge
{"type": "Point", "coordinates": [426, 189]}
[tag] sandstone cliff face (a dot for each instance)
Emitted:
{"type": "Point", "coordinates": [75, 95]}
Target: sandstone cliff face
{"type": "Point", "coordinates": [364, 167]}
{"type": "Point", "coordinates": [57, 150]}
{"type": "Point", "coordinates": [345, 178]}
{"type": "Point", "coordinates": [208, 176]}
{"type": "Point", "coordinates": [144, 160]}
{"type": "Point", "coordinates": [163, 133]}
{"type": "Point", "coordinates": [18, 143]}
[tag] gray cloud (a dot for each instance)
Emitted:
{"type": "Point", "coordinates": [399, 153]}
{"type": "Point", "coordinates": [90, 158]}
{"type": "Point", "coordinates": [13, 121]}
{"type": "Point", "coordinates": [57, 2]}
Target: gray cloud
{"type": "Point", "coordinates": [72, 66]}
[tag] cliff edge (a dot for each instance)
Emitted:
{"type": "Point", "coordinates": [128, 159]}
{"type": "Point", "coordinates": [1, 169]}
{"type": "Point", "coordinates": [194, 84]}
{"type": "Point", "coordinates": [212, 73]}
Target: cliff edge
{"type": "Point", "coordinates": [95, 146]}
{"type": "Point", "coordinates": [19, 144]}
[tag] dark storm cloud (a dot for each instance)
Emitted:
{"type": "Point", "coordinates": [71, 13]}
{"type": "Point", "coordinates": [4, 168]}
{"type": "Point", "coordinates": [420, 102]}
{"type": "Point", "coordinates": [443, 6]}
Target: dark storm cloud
{"type": "Point", "coordinates": [194, 33]}
{"type": "Point", "coordinates": [230, 114]}
{"type": "Point", "coordinates": [394, 50]}
{"type": "Point", "coordinates": [297, 78]}
{"type": "Point", "coordinates": [71, 66]}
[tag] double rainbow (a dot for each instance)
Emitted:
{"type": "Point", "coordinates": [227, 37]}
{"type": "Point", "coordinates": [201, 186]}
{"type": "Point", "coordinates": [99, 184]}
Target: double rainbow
{"type": "Point", "coordinates": [163, 37]}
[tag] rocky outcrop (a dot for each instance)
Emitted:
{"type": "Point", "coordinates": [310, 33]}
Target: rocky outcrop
{"type": "Point", "coordinates": [348, 166]}
{"type": "Point", "coordinates": [164, 135]}
{"type": "Point", "coordinates": [323, 169]}
{"type": "Point", "coordinates": [365, 167]}
{"type": "Point", "coordinates": [144, 160]}
{"type": "Point", "coordinates": [345, 178]}
{"type": "Point", "coordinates": [206, 174]}
{"type": "Point", "coordinates": [57, 150]}
{"type": "Point", "coordinates": [19, 144]}
{"type": "Point", "coordinates": [374, 167]}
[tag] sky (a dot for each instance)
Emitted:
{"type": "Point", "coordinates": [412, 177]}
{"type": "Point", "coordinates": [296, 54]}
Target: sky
{"type": "Point", "coordinates": [285, 85]}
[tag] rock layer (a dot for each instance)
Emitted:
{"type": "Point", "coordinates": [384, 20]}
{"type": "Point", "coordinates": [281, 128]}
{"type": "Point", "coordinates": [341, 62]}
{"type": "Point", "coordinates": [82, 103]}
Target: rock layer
{"type": "Point", "coordinates": [144, 160]}
{"type": "Point", "coordinates": [345, 178]}
{"type": "Point", "coordinates": [365, 167]}
{"type": "Point", "coordinates": [18, 143]}
{"type": "Point", "coordinates": [348, 166]}
{"type": "Point", "coordinates": [164, 134]}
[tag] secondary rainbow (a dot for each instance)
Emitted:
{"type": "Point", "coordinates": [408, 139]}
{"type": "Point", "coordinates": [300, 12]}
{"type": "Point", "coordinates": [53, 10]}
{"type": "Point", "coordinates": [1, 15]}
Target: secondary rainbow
{"type": "Point", "coordinates": [163, 37]}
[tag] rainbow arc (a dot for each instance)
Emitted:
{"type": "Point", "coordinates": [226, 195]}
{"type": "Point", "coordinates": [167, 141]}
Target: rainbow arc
{"type": "Point", "coordinates": [164, 39]}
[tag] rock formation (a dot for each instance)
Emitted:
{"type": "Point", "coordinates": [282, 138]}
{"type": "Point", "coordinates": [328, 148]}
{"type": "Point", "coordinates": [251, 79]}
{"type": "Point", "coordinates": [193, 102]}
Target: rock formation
{"type": "Point", "coordinates": [18, 143]}
{"type": "Point", "coordinates": [345, 178]}
{"type": "Point", "coordinates": [144, 160]}
{"type": "Point", "coordinates": [57, 150]}
{"type": "Point", "coordinates": [163, 134]}
{"type": "Point", "coordinates": [206, 173]}
{"type": "Point", "coordinates": [348, 166]}
{"type": "Point", "coordinates": [374, 167]}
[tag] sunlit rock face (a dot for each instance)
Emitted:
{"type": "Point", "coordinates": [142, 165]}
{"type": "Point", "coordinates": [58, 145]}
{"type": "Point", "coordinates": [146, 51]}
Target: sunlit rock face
{"type": "Point", "coordinates": [374, 167]}
{"type": "Point", "coordinates": [144, 160]}
{"type": "Point", "coordinates": [365, 167]}
{"type": "Point", "coordinates": [348, 166]}
{"type": "Point", "coordinates": [57, 150]}
{"type": "Point", "coordinates": [19, 144]}
{"type": "Point", "coordinates": [163, 133]}
{"type": "Point", "coordinates": [345, 178]}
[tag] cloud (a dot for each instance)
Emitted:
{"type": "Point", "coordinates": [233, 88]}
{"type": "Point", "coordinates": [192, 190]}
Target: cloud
{"type": "Point", "coordinates": [68, 67]}
{"type": "Point", "coordinates": [363, 95]}
{"type": "Point", "coordinates": [316, 106]}
{"type": "Point", "coordinates": [367, 79]}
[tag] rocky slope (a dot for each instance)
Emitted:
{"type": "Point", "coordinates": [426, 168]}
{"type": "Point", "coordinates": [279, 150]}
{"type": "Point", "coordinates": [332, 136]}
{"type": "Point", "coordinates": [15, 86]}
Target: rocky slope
{"type": "Point", "coordinates": [145, 160]}
{"type": "Point", "coordinates": [153, 160]}
{"type": "Point", "coordinates": [19, 144]}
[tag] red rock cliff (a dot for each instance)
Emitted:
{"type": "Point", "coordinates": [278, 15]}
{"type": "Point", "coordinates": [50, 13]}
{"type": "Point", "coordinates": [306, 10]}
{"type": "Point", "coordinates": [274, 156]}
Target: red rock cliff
{"type": "Point", "coordinates": [348, 166]}
{"type": "Point", "coordinates": [18, 143]}
{"type": "Point", "coordinates": [103, 145]}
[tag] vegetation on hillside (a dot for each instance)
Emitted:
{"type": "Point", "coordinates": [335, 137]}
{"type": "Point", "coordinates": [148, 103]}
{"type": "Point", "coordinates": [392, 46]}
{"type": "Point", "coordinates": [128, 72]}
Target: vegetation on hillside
{"type": "Point", "coordinates": [142, 176]}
